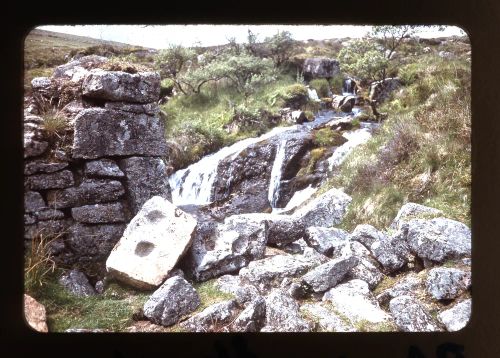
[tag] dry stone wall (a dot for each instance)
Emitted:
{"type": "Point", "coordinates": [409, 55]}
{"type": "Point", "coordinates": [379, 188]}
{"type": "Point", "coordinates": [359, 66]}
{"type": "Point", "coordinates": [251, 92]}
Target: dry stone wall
{"type": "Point", "coordinates": [85, 182]}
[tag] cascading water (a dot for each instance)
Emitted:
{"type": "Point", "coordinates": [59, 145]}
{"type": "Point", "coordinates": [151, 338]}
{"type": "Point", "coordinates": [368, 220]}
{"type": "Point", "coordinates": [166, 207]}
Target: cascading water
{"type": "Point", "coordinates": [348, 88]}
{"type": "Point", "coordinates": [313, 95]}
{"type": "Point", "coordinates": [274, 183]}
{"type": "Point", "coordinates": [298, 198]}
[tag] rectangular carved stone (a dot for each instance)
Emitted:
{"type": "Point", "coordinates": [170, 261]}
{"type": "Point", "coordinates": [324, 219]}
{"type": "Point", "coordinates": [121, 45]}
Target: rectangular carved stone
{"type": "Point", "coordinates": [43, 167]}
{"type": "Point", "coordinates": [91, 191]}
{"type": "Point", "coordinates": [103, 132]}
{"type": "Point", "coordinates": [57, 180]}
{"type": "Point", "coordinates": [99, 213]}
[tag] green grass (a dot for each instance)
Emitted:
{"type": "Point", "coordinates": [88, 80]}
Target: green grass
{"type": "Point", "coordinates": [210, 294]}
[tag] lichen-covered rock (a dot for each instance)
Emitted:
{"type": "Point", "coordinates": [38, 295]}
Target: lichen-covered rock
{"type": "Point", "coordinates": [439, 239]}
{"type": "Point", "coordinates": [456, 317]}
{"type": "Point", "coordinates": [99, 213]}
{"type": "Point", "coordinates": [233, 285]}
{"type": "Point", "coordinates": [282, 314]}
{"type": "Point", "coordinates": [77, 283]}
{"type": "Point", "coordinates": [447, 283]}
{"type": "Point", "coordinates": [145, 178]}
{"type": "Point", "coordinates": [154, 241]}
{"type": "Point", "coordinates": [49, 228]}
{"type": "Point", "coordinates": [142, 87]}
{"type": "Point", "coordinates": [173, 300]}
{"type": "Point", "coordinates": [33, 139]}
{"type": "Point", "coordinates": [408, 286]}
{"type": "Point", "coordinates": [320, 68]}
{"type": "Point", "coordinates": [76, 70]}
{"type": "Point", "coordinates": [151, 109]}
{"type": "Point", "coordinates": [367, 235]}
{"type": "Point", "coordinates": [49, 214]}
{"type": "Point", "coordinates": [101, 132]}
{"type": "Point", "coordinates": [225, 248]}
{"type": "Point", "coordinates": [35, 315]}
{"type": "Point", "coordinates": [213, 318]}
{"type": "Point", "coordinates": [33, 201]}
{"type": "Point", "coordinates": [411, 316]}
{"type": "Point", "coordinates": [411, 211]}
{"type": "Point", "coordinates": [327, 319]}
{"type": "Point", "coordinates": [40, 166]}
{"type": "Point", "coordinates": [329, 274]}
{"type": "Point", "coordinates": [90, 191]}
{"type": "Point", "coordinates": [58, 180]}
{"type": "Point", "coordinates": [325, 240]}
{"type": "Point", "coordinates": [354, 300]}
{"type": "Point", "coordinates": [106, 168]}
{"type": "Point", "coordinates": [93, 242]}
{"type": "Point", "coordinates": [252, 318]}
{"type": "Point", "coordinates": [392, 252]}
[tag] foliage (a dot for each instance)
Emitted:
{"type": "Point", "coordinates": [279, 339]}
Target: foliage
{"type": "Point", "coordinates": [321, 86]}
{"type": "Point", "coordinates": [326, 137]}
{"type": "Point", "coordinates": [294, 95]}
{"type": "Point", "coordinates": [363, 59]}
{"type": "Point", "coordinates": [280, 47]}
{"type": "Point", "coordinates": [38, 263]}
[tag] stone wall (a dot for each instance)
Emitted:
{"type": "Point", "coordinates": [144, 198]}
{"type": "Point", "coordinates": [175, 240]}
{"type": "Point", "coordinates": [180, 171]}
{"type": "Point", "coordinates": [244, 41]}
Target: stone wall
{"type": "Point", "coordinates": [84, 182]}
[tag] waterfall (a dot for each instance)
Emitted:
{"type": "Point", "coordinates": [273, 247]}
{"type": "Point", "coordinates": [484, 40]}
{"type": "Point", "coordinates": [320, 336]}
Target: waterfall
{"type": "Point", "coordinates": [354, 138]}
{"type": "Point", "coordinates": [313, 95]}
{"type": "Point", "coordinates": [193, 185]}
{"type": "Point", "coordinates": [347, 88]}
{"type": "Point", "coordinates": [297, 199]}
{"type": "Point", "coordinates": [274, 182]}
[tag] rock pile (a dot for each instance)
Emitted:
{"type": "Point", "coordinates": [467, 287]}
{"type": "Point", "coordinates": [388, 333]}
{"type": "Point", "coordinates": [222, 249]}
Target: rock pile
{"type": "Point", "coordinates": [93, 163]}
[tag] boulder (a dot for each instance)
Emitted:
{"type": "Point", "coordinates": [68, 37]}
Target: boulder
{"type": "Point", "coordinates": [411, 211]}
{"type": "Point", "coordinates": [152, 244]}
{"type": "Point", "coordinates": [252, 318]}
{"type": "Point", "coordinates": [320, 68]}
{"type": "Point", "coordinates": [329, 274]}
{"type": "Point", "coordinates": [213, 318]}
{"type": "Point", "coordinates": [99, 213]}
{"type": "Point", "coordinates": [76, 70]}
{"type": "Point", "coordinates": [225, 248]}
{"type": "Point", "coordinates": [33, 201]}
{"type": "Point", "coordinates": [447, 283]}
{"type": "Point", "coordinates": [411, 316]}
{"type": "Point", "coordinates": [40, 166]}
{"type": "Point", "coordinates": [58, 180]}
{"type": "Point", "coordinates": [343, 103]}
{"type": "Point", "coordinates": [90, 191]}
{"type": "Point", "coordinates": [439, 239]}
{"type": "Point", "coordinates": [282, 314]}
{"type": "Point", "coordinates": [392, 252]}
{"type": "Point", "coordinates": [77, 283]}
{"type": "Point", "coordinates": [456, 317]}
{"type": "Point", "coordinates": [233, 285]}
{"type": "Point", "coordinates": [354, 300]}
{"type": "Point", "coordinates": [93, 242]}
{"type": "Point", "coordinates": [409, 286]}
{"type": "Point", "coordinates": [367, 235]}
{"type": "Point", "coordinates": [34, 313]}
{"type": "Point", "coordinates": [367, 268]}
{"type": "Point", "coordinates": [106, 168]}
{"type": "Point", "coordinates": [174, 299]}
{"type": "Point", "coordinates": [142, 87]}
{"type": "Point", "coordinates": [145, 178]}
{"type": "Point", "coordinates": [101, 132]}
{"type": "Point", "coordinates": [298, 117]}
{"type": "Point", "coordinates": [325, 240]}
{"type": "Point", "coordinates": [327, 320]}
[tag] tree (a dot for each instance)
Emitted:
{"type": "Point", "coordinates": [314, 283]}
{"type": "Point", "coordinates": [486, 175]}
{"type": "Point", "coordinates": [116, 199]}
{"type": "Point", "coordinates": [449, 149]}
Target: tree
{"type": "Point", "coordinates": [172, 61]}
{"type": "Point", "coordinates": [363, 59]}
{"type": "Point", "coordinates": [392, 36]}
{"type": "Point", "coordinates": [280, 47]}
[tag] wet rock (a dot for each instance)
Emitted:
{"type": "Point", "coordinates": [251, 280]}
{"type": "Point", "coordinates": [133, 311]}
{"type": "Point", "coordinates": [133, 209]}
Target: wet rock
{"type": "Point", "coordinates": [411, 211]}
{"type": "Point", "coordinates": [93, 242]}
{"type": "Point", "coordinates": [439, 239]}
{"type": "Point", "coordinates": [282, 314]}
{"type": "Point", "coordinates": [447, 283]}
{"type": "Point", "coordinates": [252, 318]}
{"type": "Point", "coordinates": [39, 166]}
{"type": "Point", "coordinates": [145, 178]}
{"type": "Point", "coordinates": [151, 109]}
{"type": "Point", "coordinates": [102, 168]}
{"type": "Point", "coordinates": [354, 300]}
{"type": "Point", "coordinates": [328, 320]}
{"type": "Point", "coordinates": [367, 235]}
{"type": "Point", "coordinates": [152, 244]}
{"type": "Point", "coordinates": [392, 252]}
{"type": "Point", "coordinates": [99, 213]}
{"type": "Point", "coordinates": [225, 248]}
{"type": "Point", "coordinates": [143, 87]}
{"type": "Point", "coordinates": [77, 283]}
{"type": "Point", "coordinates": [58, 180]}
{"type": "Point", "coordinates": [320, 68]}
{"type": "Point", "coordinates": [325, 240]}
{"type": "Point", "coordinates": [456, 317]}
{"type": "Point", "coordinates": [35, 315]}
{"type": "Point", "coordinates": [49, 214]}
{"type": "Point", "coordinates": [33, 201]}
{"type": "Point", "coordinates": [101, 132]}
{"type": "Point", "coordinates": [329, 274]}
{"type": "Point", "coordinates": [173, 300]}
{"type": "Point", "coordinates": [212, 318]}
{"type": "Point", "coordinates": [343, 103]}
{"type": "Point", "coordinates": [408, 286]}
{"type": "Point", "coordinates": [411, 316]}
{"type": "Point", "coordinates": [90, 191]}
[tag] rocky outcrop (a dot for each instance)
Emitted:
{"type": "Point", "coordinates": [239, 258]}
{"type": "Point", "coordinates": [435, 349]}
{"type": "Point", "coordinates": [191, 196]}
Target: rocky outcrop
{"type": "Point", "coordinates": [34, 313]}
{"type": "Point", "coordinates": [152, 244]}
{"type": "Point", "coordinates": [320, 68]}
{"type": "Point", "coordinates": [173, 300]}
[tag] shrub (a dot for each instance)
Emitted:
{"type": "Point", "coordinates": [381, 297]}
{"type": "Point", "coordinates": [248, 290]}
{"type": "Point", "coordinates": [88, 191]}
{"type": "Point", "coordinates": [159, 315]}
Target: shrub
{"type": "Point", "coordinates": [326, 137]}
{"type": "Point", "coordinates": [294, 96]}
{"type": "Point", "coordinates": [321, 86]}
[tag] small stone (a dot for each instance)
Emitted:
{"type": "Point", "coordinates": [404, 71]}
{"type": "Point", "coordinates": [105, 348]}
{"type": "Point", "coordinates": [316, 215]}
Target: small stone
{"type": "Point", "coordinates": [151, 109]}
{"type": "Point", "coordinates": [102, 168]}
{"type": "Point", "coordinates": [392, 252]}
{"type": "Point", "coordinates": [456, 317]}
{"type": "Point", "coordinates": [367, 235]}
{"type": "Point", "coordinates": [35, 315]}
{"type": "Point", "coordinates": [99, 213]}
{"type": "Point", "coordinates": [77, 283]}
{"type": "Point", "coordinates": [411, 211]}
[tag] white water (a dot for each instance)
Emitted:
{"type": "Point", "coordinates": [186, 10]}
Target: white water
{"type": "Point", "coordinates": [298, 198]}
{"type": "Point", "coordinates": [313, 95]}
{"type": "Point", "coordinates": [274, 183]}
{"type": "Point", "coordinates": [193, 185]}
{"type": "Point", "coordinates": [354, 138]}
{"type": "Point", "coordinates": [346, 88]}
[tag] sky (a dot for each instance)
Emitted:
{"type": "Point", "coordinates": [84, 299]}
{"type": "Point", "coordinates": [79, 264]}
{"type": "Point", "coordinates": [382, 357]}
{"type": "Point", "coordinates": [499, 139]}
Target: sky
{"type": "Point", "coordinates": [160, 36]}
